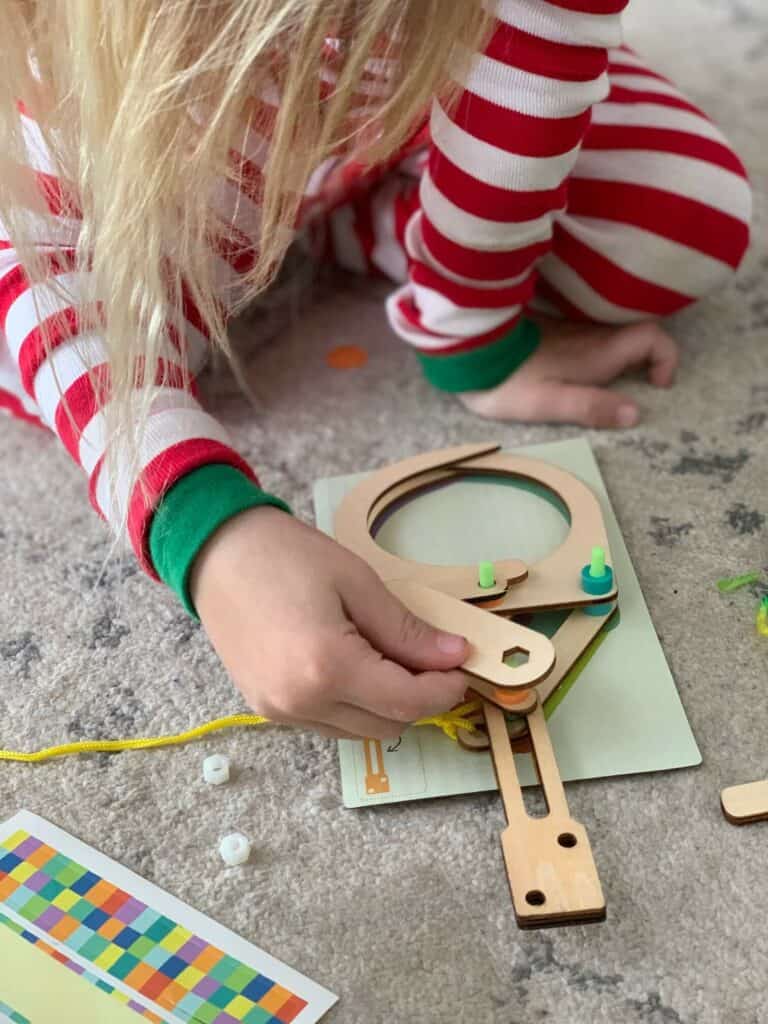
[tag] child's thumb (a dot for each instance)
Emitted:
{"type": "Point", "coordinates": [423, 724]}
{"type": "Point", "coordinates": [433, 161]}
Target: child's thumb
{"type": "Point", "coordinates": [400, 635]}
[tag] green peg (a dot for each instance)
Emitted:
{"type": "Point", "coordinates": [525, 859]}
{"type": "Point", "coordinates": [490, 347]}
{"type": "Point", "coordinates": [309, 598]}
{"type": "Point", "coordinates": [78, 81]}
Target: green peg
{"type": "Point", "coordinates": [597, 563]}
{"type": "Point", "coordinates": [486, 575]}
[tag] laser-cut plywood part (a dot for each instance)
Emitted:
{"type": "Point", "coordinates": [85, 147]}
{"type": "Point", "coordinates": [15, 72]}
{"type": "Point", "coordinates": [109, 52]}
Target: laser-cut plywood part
{"type": "Point", "coordinates": [491, 638]}
{"type": "Point", "coordinates": [554, 582]}
{"type": "Point", "coordinates": [746, 803]}
{"type": "Point", "coordinates": [570, 641]}
{"type": "Point", "coordinates": [478, 741]}
{"type": "Point", "coordinates": [575, 637]}
{"type": "Point", "coordinates": [354, 518]}
{"type": "Point", "coordinates": [550, 867]}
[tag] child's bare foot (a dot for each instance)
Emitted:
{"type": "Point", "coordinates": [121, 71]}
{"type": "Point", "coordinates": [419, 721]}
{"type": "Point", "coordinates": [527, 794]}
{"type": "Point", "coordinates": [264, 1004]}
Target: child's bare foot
{"type": "Point", "coordinates": [564, 380]}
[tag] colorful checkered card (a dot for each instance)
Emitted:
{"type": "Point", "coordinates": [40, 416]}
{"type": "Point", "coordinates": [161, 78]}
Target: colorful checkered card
{"type": "Point", "coordinates": [75, 925]}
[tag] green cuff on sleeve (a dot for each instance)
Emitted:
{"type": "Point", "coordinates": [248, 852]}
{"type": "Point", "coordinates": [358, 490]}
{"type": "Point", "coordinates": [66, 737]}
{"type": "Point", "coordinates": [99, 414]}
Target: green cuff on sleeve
{"type": "Point", "coordinates": [482, 368]}
{"type": "Point", "coordinates": [197, 505]}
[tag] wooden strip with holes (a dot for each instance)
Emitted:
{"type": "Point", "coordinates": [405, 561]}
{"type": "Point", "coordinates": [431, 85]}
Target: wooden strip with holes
{"type": "Point", "coordinates": [550, 867]}
{"type": "Point", "coordinates": [490, 637]}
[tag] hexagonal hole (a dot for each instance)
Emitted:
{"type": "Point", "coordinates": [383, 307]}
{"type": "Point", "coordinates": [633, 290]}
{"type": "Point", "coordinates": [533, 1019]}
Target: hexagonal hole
{"type": "Point", "coordinates": [516, 657]}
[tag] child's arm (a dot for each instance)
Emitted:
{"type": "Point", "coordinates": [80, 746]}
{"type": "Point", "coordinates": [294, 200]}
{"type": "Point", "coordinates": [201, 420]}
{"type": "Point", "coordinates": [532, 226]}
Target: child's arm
{"type": "Point", "coordinates": [62, 367]}
{"type": "Point", "coordinates": [307, 631]}
{"type": "Point", "coordinates": [67, 378]}
{"type": "Point", "coordinates": [497, 175]}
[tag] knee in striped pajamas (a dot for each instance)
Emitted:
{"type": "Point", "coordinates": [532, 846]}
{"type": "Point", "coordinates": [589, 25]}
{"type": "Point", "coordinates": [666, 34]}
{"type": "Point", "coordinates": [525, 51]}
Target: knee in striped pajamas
{"type": "Point", "coordinates": [659, 207]}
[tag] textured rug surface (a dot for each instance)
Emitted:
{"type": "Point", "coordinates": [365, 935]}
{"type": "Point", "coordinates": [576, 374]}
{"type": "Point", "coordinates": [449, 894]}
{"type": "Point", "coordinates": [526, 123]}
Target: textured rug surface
{"type": "Point", "coordinates": [404, 910]}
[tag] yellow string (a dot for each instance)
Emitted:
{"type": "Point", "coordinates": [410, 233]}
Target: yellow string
{"type": "Point", "coordinates": [449, 723]}
{"type": "Point", "coordinates": [452, 721]}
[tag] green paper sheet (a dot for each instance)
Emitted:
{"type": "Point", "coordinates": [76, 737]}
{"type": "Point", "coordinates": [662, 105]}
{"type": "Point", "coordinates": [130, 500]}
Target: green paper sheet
{"type": "Point", "coordinates": [41, 990]}
{"type": "Point", "coordinates": [623, 715]}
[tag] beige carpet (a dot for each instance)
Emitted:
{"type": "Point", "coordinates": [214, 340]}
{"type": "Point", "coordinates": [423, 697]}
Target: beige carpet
{"type": "Point", "coordinates": [404, 910]}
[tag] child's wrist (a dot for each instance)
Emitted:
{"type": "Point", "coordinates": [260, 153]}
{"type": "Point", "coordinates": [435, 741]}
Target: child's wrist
{"type": "Point", "coordinates": [192, 512]}
{"type": "Point", "coordinates": [218, 557]}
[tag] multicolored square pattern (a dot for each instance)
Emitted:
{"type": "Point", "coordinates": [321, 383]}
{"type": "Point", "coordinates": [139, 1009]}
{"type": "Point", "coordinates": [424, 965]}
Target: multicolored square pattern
{"type": "Point", "coordinates": [7, 1013]}
{"type": "Point", "coordinates": [126, 940]}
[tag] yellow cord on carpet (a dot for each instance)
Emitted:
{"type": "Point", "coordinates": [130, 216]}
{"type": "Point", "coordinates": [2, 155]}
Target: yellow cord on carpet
{"type": "Point", "coordinates": [450, 722]}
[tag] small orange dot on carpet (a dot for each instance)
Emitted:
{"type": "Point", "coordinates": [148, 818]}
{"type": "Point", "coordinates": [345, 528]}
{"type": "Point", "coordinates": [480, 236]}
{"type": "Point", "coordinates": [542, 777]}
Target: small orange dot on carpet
{"type": "Point", "coordinates": [346, 357]}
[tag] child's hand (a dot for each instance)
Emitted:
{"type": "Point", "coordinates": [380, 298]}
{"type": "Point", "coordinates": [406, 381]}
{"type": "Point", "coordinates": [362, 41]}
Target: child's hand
{"type": "Point", "coordinates": [312, 637]}
{"type": "Point", "coordinates": [562, 381]}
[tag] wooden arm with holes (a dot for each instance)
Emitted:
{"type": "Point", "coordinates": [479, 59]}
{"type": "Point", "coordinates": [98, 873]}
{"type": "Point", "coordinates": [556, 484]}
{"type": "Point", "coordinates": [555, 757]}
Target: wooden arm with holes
{"type": "Point", "coordinates": [491, 640]}
{"type": "Point", "coordinates": [550, 868]}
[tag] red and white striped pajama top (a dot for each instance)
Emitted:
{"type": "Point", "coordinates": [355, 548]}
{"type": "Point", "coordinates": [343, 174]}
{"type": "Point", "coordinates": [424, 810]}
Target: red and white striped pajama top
{"type": "Point", "coordinates": [569, 178]}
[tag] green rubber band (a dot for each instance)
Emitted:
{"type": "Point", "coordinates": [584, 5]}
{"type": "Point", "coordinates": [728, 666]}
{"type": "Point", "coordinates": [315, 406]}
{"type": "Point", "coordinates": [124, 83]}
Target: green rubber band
{"type": "Point", "coordinates": [731, 583]}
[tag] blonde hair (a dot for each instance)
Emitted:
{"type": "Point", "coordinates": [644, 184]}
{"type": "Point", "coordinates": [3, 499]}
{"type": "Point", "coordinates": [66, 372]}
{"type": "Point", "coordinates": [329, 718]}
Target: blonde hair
{"type": "Point", "coordinates": [140, 103]}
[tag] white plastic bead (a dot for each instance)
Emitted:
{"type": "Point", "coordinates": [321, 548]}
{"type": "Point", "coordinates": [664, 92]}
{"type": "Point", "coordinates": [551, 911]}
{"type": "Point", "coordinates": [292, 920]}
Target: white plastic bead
{"type": "Point", "coordinates": [216, 769]}
{"type": "Point", "coordinates": [234, 849]}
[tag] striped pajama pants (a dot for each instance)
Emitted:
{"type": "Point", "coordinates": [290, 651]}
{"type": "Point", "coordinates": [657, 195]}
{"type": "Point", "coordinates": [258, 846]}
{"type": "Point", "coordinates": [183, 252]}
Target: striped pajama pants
{"type": "Point", "coordinates": [657, 216]}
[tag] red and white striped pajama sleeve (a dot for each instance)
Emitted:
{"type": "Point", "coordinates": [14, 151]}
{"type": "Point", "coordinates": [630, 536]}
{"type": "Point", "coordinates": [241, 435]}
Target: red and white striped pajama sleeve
{"type": "Point", "coordinates": [63, 384]}
{"type": "Point", "coordinates": [496, 177]}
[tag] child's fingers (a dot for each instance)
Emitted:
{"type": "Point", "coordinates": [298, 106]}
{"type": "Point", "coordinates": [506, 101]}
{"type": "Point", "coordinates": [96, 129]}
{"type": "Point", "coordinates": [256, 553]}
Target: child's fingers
{"type": "Point", "coordinates": [383, 688]}
{"type": "Point", "coordinates": [664, 363]}
{"type": "Point", "coordinates": [587, 406]}
{"type": "Point", "coordinates": [407, 698]}
{"type": "Point", "coordinates": [343, 669]}
{"type": "Point", "coordinates": [644, 344]}
{"type": "Point", "coordinates": [356, 722]}
{"type": "Point", "coordinates": [393, 631]}
{"type": "Point", "coordinates": [332, 720]}
{"type": "Point", "coordinates": [330, 731]}
{"type": "Point", "coordinates": [340, 721]}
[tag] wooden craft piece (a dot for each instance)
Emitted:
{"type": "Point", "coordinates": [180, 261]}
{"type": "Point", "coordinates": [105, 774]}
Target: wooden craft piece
{"type": "Point", "coordinates": [550, 867]}
{"type": "Point", "coordinates": [410, 488]}
{"type": "Point", "coordinates": [491, 639]}
{"type": "Point", "coordinates": [554, 582]}
{"type": "Point", "coordinates": [478, 741]}
{"type": "Point", "coordinates": [747, 803]}
{"type": "Point", "coordinates": [570, 641]}
{"type": "Point", "coordinates": [353, 521]}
